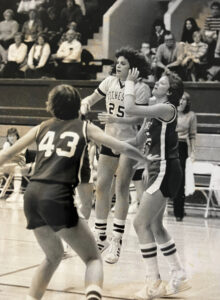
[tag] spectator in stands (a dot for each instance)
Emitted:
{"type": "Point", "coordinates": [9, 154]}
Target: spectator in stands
{"type": "Point", "coordinates": [3, 60]}
{"type": "Point", "coordinates": [150, 59]}
{"type": "Point", "coordinates": [31, 28]}
{"type": "Point", "coordinates": [71, 12]}
{"type": "Point", "coordinates": [8, 28]}
{"type": "Point", "coordinates": [38, 58]}
{"type": "Point", "coordinates": [68, 57]}
{"type": "Point", "coordinates": [169, 56]}
{"type": "Point", "coordinates": [157, 35]}
{"type": "Point", "coordinates": [17, 54]}
{"type": "Point", "coordinates": [52, 29]}
{"type": "Point", "coordinates": [186, 129]}
{"type": "Point", "coordinates": [212, 22]}
{"type": "Point", "coordinates": [190, 26]}
{"type": "Point", "coordinates": [195, 60]}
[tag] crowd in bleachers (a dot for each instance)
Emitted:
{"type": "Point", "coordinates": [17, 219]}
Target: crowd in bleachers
{"type": "Point", "coordinates": [196, 57]}
{"type": "Point", "coordinates": [44, 38]}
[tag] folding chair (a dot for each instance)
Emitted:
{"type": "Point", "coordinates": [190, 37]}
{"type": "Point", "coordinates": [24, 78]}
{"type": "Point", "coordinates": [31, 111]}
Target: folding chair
{"type": "Point", "coordinates": [206, 170]}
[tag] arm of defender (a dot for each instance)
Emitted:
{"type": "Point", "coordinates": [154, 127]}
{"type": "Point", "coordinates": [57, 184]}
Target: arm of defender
{"type": "Point", "coordinates": [100, 137]}
{"type": "Point", "coordinates": [87, 102]}
{"type": "Point", "coordinates": [22, 143]}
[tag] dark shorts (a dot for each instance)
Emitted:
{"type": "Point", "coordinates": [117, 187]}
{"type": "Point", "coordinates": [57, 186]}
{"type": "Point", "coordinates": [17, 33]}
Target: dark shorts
{"type": "Point", "coordinates": [107, 151]}
{"type": "Point", "coordinates": [138, 175]}
{"type": "Point", "coordinates": [165, 176]}
{"type": "Point", "coordinates": [86, 169]}
{"type": "Point", "coordinates": [51, 204]}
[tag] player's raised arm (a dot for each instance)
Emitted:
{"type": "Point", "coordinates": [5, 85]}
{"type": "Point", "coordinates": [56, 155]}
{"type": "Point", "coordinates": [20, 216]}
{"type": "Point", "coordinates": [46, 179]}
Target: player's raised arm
{"type": "Point", "coordinates": [99, 137]}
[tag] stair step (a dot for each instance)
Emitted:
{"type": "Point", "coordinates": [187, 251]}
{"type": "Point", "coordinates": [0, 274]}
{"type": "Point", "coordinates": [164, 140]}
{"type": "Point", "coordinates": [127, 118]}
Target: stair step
{"type": "Point", "coordinates": [94, 42]}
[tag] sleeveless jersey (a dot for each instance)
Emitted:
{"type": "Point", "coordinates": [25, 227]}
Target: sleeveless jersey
{"type": "Point", "coordinates": [162, 137]}
{"type": "Point", "coordinates": [60, 150]}
{"type": "Point", "coordinates": [113, 91]}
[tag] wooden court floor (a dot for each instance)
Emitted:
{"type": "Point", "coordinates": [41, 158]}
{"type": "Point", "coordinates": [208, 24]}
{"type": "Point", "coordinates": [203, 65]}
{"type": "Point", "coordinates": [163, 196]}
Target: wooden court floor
{"type": "Point", "coordinates": [197, 239]}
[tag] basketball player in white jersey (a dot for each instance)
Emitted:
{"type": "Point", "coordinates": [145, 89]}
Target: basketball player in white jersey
{"type": "Point", "coordinates": [111, 90]}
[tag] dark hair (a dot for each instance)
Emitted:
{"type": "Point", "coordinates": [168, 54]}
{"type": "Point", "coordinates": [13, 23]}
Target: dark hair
{"type": "Point", "coordinates": [187, 33]}
{"type": "Point", "coordinates": [169, 33]}
{"type": "Point", "coordinates": [188, 103]}
{"type": "Point", "coordinates": [64, 102]}
{"type": "Point", "coordinates": [158, 22]}
{"type": "Point", "coordinates": [43, 35]}
{"type": "Point", "coordinates": [176, 88]}
{"type": "Point", "coordinates": [13, 131]}
{"type": "Point", "coordinates": [216, 4]}
{"type": "Point", "coordinates": [135, 59]}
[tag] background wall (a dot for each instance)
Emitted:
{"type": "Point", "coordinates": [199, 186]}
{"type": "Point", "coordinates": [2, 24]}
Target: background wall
{"type": "Point", "coordinates": [128, 22]}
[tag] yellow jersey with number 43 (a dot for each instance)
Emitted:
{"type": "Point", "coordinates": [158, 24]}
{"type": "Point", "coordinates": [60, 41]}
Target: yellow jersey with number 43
{"type": "Point", "coordinates": [60, 151]}
{"type": "Point", "coordinates": [113, 90]}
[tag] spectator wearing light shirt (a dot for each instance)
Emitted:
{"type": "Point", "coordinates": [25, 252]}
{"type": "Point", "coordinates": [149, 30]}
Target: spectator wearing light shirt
{"type": "Point", "coordinates": [17, 53]}
{"type": "Point", "coordinates": [68, 57]}
{"type": "Point", "coordinates": [38, 58]}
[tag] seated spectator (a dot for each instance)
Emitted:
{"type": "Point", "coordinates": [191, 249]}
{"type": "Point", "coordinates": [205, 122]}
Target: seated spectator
{"type": "Point", "coordinates": [194, 59]}
{"type": "Point", "coordinates": [17, 166]}
{"type": "Point", "coordinates": [71, 12]}
{"type": "Point", "coordinates": [212, 22]}
{"type": "Point", "coordinates": [31, 28]}
{"type": "Point", "coordinates": [8, 28]}
{"type": "Point", "coordinates": [17, 54]}
{"type": "Point", "coordinates": [38, 58]}
{"type": "Point", "coordinates": [150, 59]}
{"type": "Point", "coordinates": [190, 26]}
{"type": "Point", "coordinates": [52, 29]}
{"type": "Point", "coordinates": [157, 35]}
{"type": "Point", "coordinates": [169, 56]}
{"type": "Point", "coordinates": [68, 57]}
{"type": "Point", "coordinates": [3, 60]}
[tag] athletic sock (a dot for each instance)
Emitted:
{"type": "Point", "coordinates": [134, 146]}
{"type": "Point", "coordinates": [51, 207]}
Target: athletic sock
{"type": "Point", "coordinates": [118, 228]}
{"type": "Point", "coordinates": [170, 253]}
{"type": "Point", "coordinates": [93, 292]}
{"type": "Point", "coordinates": [100, 228]}
{"type": "Point", "coordinates": [149, 253]}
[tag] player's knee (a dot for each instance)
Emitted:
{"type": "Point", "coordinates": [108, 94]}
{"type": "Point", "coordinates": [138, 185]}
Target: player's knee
{"type": "Point", "coordinates": [55, 256]}
{"type": "Point", "coordinates": [140, 226]}
{"type": "Point", "coordinates": [158, 230]}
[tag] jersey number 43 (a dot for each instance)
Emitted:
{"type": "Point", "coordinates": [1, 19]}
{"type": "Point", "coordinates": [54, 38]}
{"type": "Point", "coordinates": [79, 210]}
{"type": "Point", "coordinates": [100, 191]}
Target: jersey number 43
{"type": "Point", "coordinates": [47, 144]}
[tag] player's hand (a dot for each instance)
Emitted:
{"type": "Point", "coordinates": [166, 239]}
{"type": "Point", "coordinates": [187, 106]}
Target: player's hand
{"type": "Point", "coordinates": [133, 74]}
{"type": "Point", "coordinates": [106, 118]}
{"type": "Point", "coordinates": [84, 109]}
{"type": "Point", "coordinates": [151, 157]}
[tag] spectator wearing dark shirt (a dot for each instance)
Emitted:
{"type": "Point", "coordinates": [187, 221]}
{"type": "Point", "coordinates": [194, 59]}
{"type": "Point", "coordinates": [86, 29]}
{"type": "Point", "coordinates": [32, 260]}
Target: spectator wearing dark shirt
{"type": "Point", "coordinates": [189, 27]}
{"type": "Point", "coordinates": [53, 29]}
{"type": "Point", "coordinates": [71, 12]}
{"type": "Point", "coordinates": [157, 35]}
{"type": "Point", "coordinates": [212, 22]}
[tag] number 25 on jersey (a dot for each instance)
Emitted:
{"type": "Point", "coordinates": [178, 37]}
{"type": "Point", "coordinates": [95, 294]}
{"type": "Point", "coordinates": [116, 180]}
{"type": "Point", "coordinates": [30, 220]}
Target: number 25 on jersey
{"type": "Point", "coordinates": [47, 144]}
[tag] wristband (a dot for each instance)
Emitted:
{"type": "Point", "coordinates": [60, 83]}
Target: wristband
{"type": "Point", "coordinates": [129, 87]}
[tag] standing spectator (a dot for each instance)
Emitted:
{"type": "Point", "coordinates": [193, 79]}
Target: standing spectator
{"type": "Point", "coordinates": [186, 129]}
{"type": "Point", "coordinates": [38, 58]}
{"type": "Point", "coordinates": [71, 12]}
{"type": "Point", "coordinates": [150, 59]}
{"type": "Point", "coordinates": [68, 56]}
{"type": "Point", "coordinates": [31, 28]}
{"type": "Point", "coordinates": [17, 53]}
{"type": "Point", "coordinates": [195, 59]}
{"type": "Point", "coordinates": [3, 60]}
{"type": "Point", "coordinates": [190, 26]}
{"type": "Point", "coordinates": [169, 56]}
{"type": "Point", "coordinates": [157, 36]}
{"type": "Point", "coordinates": [8, 28]}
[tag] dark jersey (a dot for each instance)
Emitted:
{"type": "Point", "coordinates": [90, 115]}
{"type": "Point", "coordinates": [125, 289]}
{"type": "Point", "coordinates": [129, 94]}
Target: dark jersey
{"type": "Point", "coordinates": [163, 138]}
{"type": "Point", "coordinates": [60, 150]}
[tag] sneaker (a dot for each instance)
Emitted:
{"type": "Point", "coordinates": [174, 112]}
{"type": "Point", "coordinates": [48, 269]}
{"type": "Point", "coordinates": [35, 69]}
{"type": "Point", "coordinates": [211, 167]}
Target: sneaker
{"type": "Point", "coordinates": [102, 244]}
{"type": "Point", "coordinates": [133, 208]}
{"type": "Point", "coordinates": [154, 288]}
{"type": "Point", "coordinates": [14, 197]}
{"type": "Point", "coordinates": [177, 283]}
{"type": "Point", "coordinates": [114, 250]}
